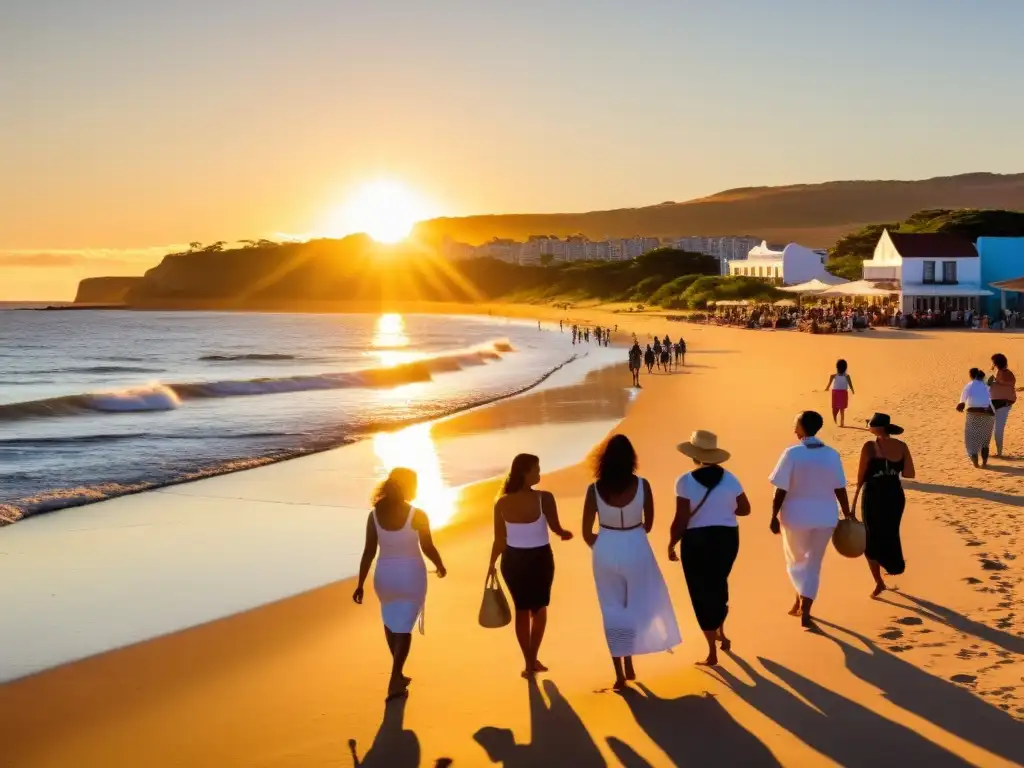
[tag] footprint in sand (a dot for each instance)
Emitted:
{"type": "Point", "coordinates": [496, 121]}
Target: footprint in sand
{"type": "Point", "coordinates": [964, 679]}
{"type": "Point", "coordinates": [992, 565]}
{"type": "Point", "coordinates": [892, 634]}
{"type": "Point", "coordinates": [972, 580]}
{"type": "Point", "coordinates": [910, 621]}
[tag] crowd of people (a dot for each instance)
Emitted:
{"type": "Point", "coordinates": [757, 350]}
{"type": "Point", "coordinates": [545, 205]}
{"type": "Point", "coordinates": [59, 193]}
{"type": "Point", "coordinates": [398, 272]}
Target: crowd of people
{"type": "Point", "coordinates": [836, 317]}
{"type": "Point", "coordinates": [810, 499]}
{"type": "Point", "coordinates": [581, 335]}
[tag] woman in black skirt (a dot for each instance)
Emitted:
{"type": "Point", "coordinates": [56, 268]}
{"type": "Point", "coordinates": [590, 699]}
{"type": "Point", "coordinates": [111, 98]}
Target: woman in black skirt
{"type": "Point", "coordinates": [708, 501]}
{"type": "Point", "coordinates": [882, 462]}
{"type": "Point", "coordinates": [522, 517]}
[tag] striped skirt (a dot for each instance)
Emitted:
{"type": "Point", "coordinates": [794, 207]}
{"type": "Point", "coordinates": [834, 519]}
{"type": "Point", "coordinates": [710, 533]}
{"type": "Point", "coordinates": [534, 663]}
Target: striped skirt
{"type": "Point", "coordinates": [978, 432]}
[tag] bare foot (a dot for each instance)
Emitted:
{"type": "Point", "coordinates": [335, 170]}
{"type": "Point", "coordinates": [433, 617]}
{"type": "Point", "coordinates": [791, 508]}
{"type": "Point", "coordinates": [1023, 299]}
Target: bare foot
{"type": "Point", "coordinates": [710, 661]}
{"type": "Point", "coordinates": [527, 673]}
{"type": "Point", "coordinates": [397, 692]}
{"type": "Point", "coordinates": [808, 623]}
{"type": "Point", "coordinates": [724, 642]}
{"type": "Point", "coordinates": [795, 610]}
{"type": "Point", "coordinates": [620, 685]}
{"type": "Point", "coordinates": [630, 673]}
{"type": "Point", "coordinates": [538, 667]}
{"type": "Point", "coordinates": [879, 589]}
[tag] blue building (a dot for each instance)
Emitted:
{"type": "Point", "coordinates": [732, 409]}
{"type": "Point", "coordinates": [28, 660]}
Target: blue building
{"type": "Point", "coordinates": [1002, 258]}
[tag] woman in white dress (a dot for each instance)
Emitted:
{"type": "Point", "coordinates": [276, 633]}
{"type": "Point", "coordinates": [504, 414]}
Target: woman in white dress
{"type": "Point", "coordinates": [402, 532]}
{"type": "Point", "coordinates": [637, 611]}
{"type": "Point", "coordinates": [708, 501]}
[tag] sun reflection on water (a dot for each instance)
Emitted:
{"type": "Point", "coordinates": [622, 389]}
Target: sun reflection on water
{"type": "Point", "coordinates": [414, 448]}
{"type": "Point", "coordinates": [388, 337]}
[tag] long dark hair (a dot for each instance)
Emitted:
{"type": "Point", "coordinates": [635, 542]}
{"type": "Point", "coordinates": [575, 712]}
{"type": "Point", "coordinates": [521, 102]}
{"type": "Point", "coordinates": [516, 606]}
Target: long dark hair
{"type": "Point", "coordinates": [398, 488]}
{"type": "Point", "coordinates": [615, 465]}
{"type": "Point", "coordinates": [999, 360]}
{"type": "Point", "coordinates": [516, 479]}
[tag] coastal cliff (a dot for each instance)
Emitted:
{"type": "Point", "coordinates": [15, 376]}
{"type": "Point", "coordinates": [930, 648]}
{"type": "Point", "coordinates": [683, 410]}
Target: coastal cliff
{"type": "Point", "coordinates": [105, 290]}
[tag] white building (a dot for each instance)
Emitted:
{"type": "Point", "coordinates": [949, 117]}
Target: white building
{"type": "Point", "coordinates": [937, 271]}
{"type": "Point", "coordinates": [791, 265]}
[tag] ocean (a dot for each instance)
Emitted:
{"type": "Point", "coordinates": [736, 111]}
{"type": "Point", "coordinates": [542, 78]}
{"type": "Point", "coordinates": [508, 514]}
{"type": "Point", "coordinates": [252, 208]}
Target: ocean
{"type": "Point", "coordinates": [97, 404]}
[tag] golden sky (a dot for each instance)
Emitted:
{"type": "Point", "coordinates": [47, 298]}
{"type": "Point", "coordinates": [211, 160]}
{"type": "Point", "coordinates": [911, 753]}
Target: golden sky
{"type": "Point", "coordinates": [129, 126]}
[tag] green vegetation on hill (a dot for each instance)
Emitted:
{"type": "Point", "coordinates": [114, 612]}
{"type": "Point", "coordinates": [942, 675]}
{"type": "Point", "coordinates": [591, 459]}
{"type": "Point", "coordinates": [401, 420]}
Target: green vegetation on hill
{"type": "Point", "coordinates": [846, 257]}
{"type": "Point", "coordinates": [356, 269]}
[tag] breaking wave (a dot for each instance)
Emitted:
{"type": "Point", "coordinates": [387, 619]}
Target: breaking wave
{"type": "Point", "coordinates": [158, 396]}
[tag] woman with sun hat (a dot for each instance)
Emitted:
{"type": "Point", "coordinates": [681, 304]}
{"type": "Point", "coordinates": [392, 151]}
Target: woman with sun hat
{"type": "Point", "coordinates": [708, 501]}
{"type": "Point", "coordinates": [883, 461]}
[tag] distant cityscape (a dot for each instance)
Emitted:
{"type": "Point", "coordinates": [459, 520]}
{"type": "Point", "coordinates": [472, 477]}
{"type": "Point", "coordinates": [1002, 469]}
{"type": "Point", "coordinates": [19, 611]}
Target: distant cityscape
{"type": "Point", "coordinates": [545, 249]}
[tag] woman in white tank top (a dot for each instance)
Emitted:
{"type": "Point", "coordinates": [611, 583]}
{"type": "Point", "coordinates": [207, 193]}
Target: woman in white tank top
{"type": "Point", "coordinates": [522, 517]}
{"type": "Point", "coordinates": [402, 533]}
{"type": "Point", "coordinates": [635, 605]}
{"type": "Point", "coordinates": [842, 387]}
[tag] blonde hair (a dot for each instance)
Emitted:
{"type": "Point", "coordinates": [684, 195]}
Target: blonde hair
{"type": "Point", "coordinates": [398, 488]}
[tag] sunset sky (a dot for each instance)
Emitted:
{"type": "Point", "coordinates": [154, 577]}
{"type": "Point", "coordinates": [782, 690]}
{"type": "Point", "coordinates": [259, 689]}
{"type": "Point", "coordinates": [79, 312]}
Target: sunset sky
{"type": "Point", "coordinates": [128, 126]}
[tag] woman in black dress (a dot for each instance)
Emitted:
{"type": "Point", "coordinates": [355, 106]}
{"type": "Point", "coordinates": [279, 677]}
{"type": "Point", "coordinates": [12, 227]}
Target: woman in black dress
{"type": "Point", "coordinates": [882, 462]}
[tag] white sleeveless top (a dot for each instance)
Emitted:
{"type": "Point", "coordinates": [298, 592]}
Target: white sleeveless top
{"type": "Point", "coordinates": [528, 535]}
{"type": "Point", "coordinates": [403, 543]}
{"type": "Point", "coordinates": [840, 381]}
{"type": "Point", "coordinates": [620, 518]}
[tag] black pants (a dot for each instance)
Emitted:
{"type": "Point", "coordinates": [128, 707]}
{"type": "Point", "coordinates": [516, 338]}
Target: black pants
{"type": "Point", "coordinates": [708, 555]}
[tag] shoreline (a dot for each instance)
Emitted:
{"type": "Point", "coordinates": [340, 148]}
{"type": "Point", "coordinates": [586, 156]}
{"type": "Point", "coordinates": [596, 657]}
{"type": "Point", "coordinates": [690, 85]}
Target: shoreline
{"type": "Point", "coordinates": [11, 514]}
{"type": "Point", "coordinates": [920, 675]}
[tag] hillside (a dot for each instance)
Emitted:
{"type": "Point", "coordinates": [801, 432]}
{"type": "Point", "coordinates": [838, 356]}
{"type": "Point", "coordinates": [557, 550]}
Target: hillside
{"type": "Point", "coordinates": [104, 290]}
{"type": "Point", "coordinates": [815, 215]}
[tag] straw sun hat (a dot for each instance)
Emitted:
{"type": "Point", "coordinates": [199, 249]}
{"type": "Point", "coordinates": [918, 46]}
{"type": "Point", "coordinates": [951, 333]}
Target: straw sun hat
{"type": "Point", "coordinates": [703, 447]}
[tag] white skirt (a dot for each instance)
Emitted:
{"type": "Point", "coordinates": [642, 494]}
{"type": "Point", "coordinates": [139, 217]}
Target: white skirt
{"type": "Point", "coordinates": [637, 611]}
{"type": "Point", "coordinates": [805, 549]}
{"type": "Point", "coordinates": [401, 587]}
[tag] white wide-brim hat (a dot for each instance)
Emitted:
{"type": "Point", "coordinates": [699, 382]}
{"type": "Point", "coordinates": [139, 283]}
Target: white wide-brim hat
{"type": "Point", "coordinates": [703, 447]}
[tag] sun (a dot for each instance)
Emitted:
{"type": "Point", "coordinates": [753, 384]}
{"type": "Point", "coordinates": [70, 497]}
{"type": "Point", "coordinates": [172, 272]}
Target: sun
{"type": "Point", "coordinates": [386, 210]}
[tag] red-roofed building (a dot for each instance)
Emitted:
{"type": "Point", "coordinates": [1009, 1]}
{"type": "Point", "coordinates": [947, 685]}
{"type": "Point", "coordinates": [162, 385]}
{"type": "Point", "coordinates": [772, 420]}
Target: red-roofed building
{"type": "Point", "coordinates": [937, 270]}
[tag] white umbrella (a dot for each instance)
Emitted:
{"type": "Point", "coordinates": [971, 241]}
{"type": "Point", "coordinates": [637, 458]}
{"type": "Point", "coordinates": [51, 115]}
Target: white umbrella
{"type": "Point", "coordinates": [816, 285]}
{"type": "Point", "coordinates": [1017, 284]}
{"type": "Point", "coordinates": [859, 288]}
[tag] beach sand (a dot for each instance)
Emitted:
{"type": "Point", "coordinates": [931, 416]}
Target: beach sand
{"type": "Point", "coordinates": [929, 674]}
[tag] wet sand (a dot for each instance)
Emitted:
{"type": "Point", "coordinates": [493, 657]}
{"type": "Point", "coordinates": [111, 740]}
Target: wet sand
{"type": "Point", "coordinates": [929, 674]}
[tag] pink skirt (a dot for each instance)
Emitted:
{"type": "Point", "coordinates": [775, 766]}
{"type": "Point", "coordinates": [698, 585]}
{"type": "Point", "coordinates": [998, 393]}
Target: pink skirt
{"type": "Point", "coordinates": [840, 399]}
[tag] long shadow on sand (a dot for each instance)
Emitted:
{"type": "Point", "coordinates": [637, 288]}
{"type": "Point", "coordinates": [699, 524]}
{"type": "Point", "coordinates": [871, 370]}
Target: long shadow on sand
{"type": "Point", "coordinates": [393, 746]}
{"type": "Point", "coordinates": [1010, 499]}
{"type": "Point", "coordinates": [843, 730]}
{"type": "Point", "coordinates": [959, 622]}
{"type": "Point", "coordinates": [945, 704]}
{"type": "Point", "coordinates": [558, 736]}
{"type": "Point", "coordinates": [692, 730]}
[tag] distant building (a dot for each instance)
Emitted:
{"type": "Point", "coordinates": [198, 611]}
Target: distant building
{"type": "Point", "coordinates": [1002, 258]}
{"type": "Point", "coordinates": [787, 266]}
{"type": "Point", "coordinates": [937, 270]}
{"type": "Point", "coordinates": [724, 249]}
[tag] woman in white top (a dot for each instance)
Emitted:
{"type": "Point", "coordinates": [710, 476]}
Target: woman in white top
{"type": "Point", "coordinates": [708, 501]}
{"type": "Point", "coordinates": [981, 417]}
{"type": "Point", "coordinates": [522, 517]}
{"type": "Point", "coordinates": [842, 387]}
{"type": "Point", "coordinates": [402, 532]}
{"type": "Point", "coordinates": [635, 606]}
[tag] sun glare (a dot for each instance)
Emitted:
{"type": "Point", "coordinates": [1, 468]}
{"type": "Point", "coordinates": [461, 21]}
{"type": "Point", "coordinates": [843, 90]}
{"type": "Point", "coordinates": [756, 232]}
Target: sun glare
{"type": "Point", "coordinates": [413, 447]}
{"type": "Point", "coordinates": [385, 210]}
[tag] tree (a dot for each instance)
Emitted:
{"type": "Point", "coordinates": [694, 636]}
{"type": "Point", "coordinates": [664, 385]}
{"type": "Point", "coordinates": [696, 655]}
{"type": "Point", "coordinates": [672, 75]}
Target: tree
{"type": "Point", "coordinates": [195, 245]}
{"type": "Point", "coordinates": [546, 259]}
{"type": "Point", "coordinates": [215, 247]}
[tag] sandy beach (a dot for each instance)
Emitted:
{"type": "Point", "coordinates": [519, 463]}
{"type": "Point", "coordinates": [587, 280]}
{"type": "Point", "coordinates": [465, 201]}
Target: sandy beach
{"type": "Point", "coordinates": [932, 673]}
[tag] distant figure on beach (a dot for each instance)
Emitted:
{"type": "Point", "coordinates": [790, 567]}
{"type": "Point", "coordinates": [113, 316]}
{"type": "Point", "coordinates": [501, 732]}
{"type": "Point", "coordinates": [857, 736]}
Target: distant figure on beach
{"type": "Point", "coordinates": [708, 501]}
{"type": "Point", "coordinates": [980, 417]}
{"type": "Point", "coordinates": [636, 358]}
{"type": "Point", "coordinates": [657, 352]}
{"type": "Point", "coordinates": [522, 517]}
{"type": "Point", "coordinates": [637, 611]}
{"type": "Point", "coordinates": [808, 480]}
{"type": "Point", "coordinates": [680, 352]}
{"type": "Point", "coordinates": [649, 359]}
{"type": "Point", "coordinates": [1003, 391]}
{"type": "Point", "coordinates": [842, 387]}
{"type": "Point", "coordinates": [666, 356]}
{"type": "Point", "coordinates": [402, 533]}
{"type": "Point", "coordinates": [882, 462]}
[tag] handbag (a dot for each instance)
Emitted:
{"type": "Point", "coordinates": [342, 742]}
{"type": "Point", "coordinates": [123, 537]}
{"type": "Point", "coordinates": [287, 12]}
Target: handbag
{"type": "Point", "coordinates": [494, 610]}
